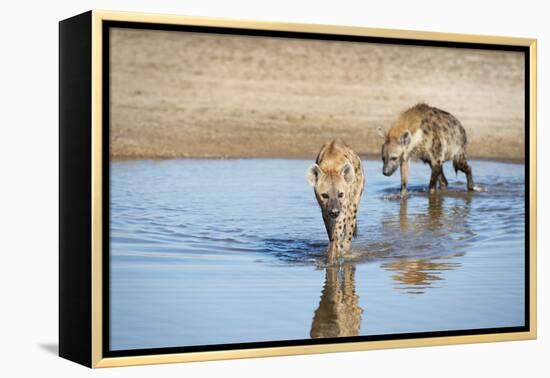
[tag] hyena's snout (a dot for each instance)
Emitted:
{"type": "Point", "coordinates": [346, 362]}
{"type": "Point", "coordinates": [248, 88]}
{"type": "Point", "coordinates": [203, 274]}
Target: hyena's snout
{"type": "Point", "coordinates": [334, 208]}
{"type": "Point", "coordinates": [334, 213]}
{"type": "Point", "coordinates": [388, 170]}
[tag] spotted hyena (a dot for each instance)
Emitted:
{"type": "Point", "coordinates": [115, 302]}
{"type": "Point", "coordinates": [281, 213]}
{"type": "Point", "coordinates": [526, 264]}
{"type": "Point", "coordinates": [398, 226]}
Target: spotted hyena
{"type": "Point", "coordinates": [338, 181]}
{"type": "Point", "coordinates": [431, 135]}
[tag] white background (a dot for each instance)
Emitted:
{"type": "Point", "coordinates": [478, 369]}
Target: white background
{"type": "Point", "coordinates": [29, 189]}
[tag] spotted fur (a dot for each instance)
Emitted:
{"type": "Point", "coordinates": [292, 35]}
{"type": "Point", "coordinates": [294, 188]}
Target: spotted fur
{"type": "Point", "coordinates": [338, 181]}
{"type": "Point", "coordinates": [431, 135]}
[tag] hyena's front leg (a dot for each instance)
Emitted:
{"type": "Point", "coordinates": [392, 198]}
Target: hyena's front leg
{"type": "Point", "coordinates": [350, 220]}
{"type": "Point", "coordinates": [404, 177]}
{"type": "Point", "coordinates": [347, 232]}
{"type": "Point", "coordinates": [335, 229]}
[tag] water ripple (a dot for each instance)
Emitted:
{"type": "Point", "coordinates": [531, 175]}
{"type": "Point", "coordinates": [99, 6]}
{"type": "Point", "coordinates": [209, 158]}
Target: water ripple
{"type": "Point", "coordinates": [277, 216]}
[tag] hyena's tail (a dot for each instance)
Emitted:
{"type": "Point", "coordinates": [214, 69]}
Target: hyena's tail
{"type": "Point", "coordinates": [457, 161]}
{"type": "Point", "coordinates": [455, 167]}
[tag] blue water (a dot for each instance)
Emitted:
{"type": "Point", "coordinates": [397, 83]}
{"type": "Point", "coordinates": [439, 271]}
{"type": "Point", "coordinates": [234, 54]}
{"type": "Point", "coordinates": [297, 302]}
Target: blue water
{"type": "Point", "coordinates": [231, 251]}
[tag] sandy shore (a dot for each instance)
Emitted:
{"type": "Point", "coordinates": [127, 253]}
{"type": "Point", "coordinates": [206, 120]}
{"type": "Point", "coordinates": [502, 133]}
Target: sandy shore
{"type": "Point", "coordinates": [216, 96]}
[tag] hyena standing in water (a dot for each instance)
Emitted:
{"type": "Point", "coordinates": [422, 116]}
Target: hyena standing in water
{"type": "Point", "coordinates": [431, 135]}
{"type": "Point", "coordinates": [338, 181]}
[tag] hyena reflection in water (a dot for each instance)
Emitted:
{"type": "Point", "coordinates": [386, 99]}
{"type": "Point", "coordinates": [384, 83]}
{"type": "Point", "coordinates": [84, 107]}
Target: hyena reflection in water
{"type": "Point", "coordinates": [431, 135]}
{"type": "Point", "coordinates": [433, 238]}
{"type": "Point", "coordinates": [339, 313]}
{"type": "Point", "coordinates": [338, 181]}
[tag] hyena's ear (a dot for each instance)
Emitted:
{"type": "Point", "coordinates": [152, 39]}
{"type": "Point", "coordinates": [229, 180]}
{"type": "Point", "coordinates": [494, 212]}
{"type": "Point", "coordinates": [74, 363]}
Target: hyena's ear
{"type": "Point", "coordinates": [348, 173]}
{"type": "Point", "coordinates": [380, 131]}
{"type": "Point", "coordinates": [405, 138]}
{"type": "Point", "coordinates": [313, 173]}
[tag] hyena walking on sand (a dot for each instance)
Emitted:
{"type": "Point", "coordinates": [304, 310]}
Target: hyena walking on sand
{"type": "Point", "coordinates": [338, 181]}
{"type": "Point", "coordinates": [431, 135]}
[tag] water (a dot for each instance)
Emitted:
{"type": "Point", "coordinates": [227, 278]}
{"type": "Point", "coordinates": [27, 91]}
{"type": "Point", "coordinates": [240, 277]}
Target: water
{"type": "Point", "coordinates": [230, 251]}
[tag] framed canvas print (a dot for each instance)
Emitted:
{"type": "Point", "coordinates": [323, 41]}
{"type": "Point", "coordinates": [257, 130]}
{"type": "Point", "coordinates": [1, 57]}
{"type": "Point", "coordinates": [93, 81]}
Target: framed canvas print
{"type": "Point", "coordinates": [235, 189]}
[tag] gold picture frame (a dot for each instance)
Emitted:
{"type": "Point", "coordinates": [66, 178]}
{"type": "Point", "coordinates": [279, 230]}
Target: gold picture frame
{"type": "Point", "coordinates": [82, 336]}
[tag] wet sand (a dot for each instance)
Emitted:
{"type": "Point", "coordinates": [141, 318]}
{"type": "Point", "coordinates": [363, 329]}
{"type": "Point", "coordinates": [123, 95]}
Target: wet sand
{"type": "Point", "coordinates": [183, 95]}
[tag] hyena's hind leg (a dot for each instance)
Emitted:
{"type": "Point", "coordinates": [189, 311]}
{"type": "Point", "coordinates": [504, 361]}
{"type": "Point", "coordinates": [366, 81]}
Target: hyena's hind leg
{"type": "Point", "coordinates": [355, 207]}
{"type": "Point", "coordinates": [442, 180]}
{"type": "Point", "coordinates": [461, 164]}
{"type": "Point", "coordinates": [358, 196]}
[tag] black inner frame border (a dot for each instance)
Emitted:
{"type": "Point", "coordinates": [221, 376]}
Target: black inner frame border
{"type": "Point", "coordinates": [106, 25]}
